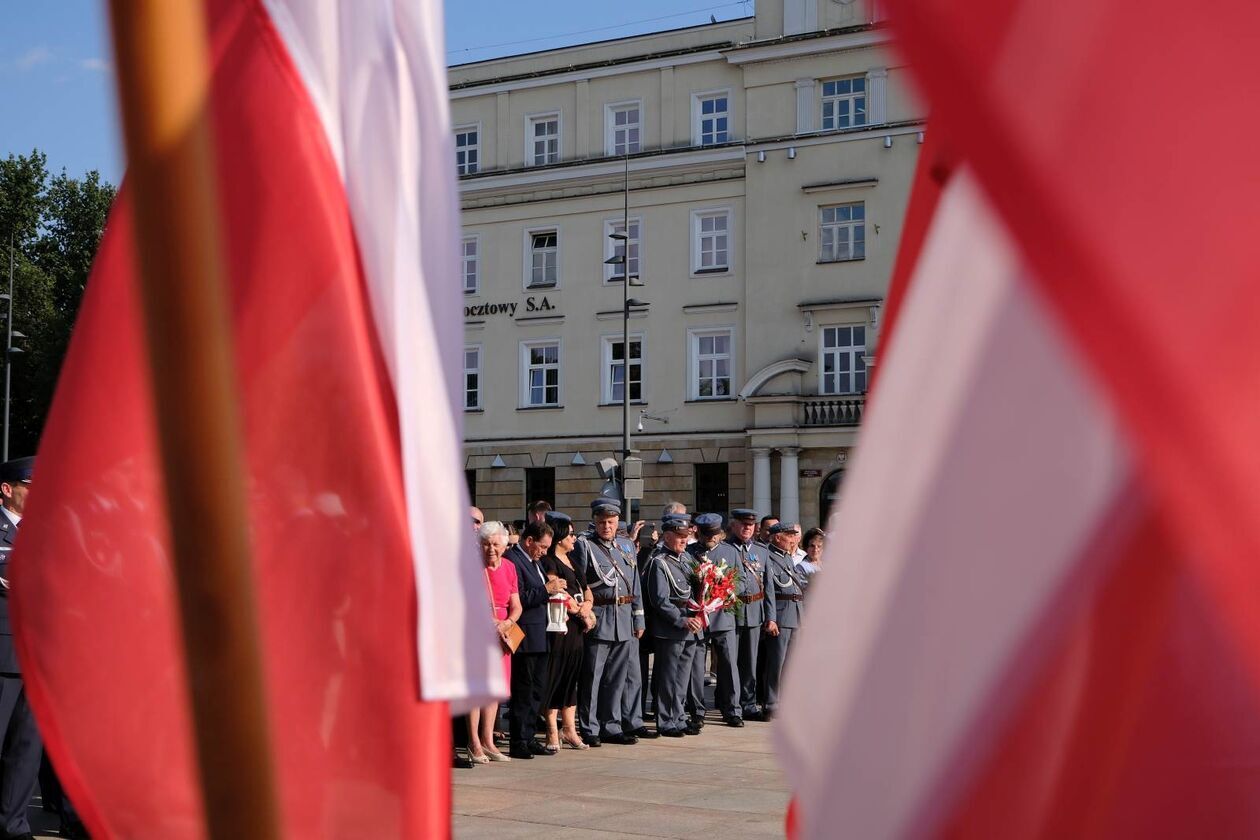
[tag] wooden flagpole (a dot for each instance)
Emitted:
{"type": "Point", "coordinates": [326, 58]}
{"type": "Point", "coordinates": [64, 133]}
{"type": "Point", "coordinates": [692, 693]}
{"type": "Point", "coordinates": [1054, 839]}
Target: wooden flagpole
{"type": "Point", "coordinates": [164, 87]}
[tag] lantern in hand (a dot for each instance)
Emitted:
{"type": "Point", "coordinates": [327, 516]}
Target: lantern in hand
{"type": "Point", "coordinates": [558, 613]}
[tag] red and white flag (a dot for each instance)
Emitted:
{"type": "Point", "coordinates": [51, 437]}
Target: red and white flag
{"type": "Point", "coordinates": [1040, 596]}
{"type": "Point", "coordinates": [340, 222]}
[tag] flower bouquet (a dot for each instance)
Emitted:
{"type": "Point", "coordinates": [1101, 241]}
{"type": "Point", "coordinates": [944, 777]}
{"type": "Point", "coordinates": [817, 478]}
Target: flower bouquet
{"type": "Point", "coordinates": [713, 586]}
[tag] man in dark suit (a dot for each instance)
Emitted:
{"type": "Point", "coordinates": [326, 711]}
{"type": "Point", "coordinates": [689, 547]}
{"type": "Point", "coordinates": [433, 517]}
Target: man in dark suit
{"type": "Point", "coordinates": [529, 663]}
{"type": "Point", "coordinates": [21, 748]}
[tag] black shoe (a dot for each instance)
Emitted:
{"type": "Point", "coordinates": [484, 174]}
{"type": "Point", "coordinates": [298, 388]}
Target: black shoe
{"type": "Point", "coordinates": [754, 716]}
{"type": "Point", "coordinates": [461, 762]}
{"type": "Point", "coordinates": [692, 730]}
{"type": "Point", "coordinates": [73, 830]}
{"type": "Point", "coordinates": [591, 741]}
{"type": "Point", "coordinates": [671, 733]}
{"type": "Point", "coordinates": [26, 836]}
{"type": "Point", "coordinates": [767, 716]}
{"type": "Point", "coordinates": [538, 749]}
{"type": "Point", "coordinates": [644, 732]}
{"type": "Point", "coordinates": [697, 722]}
{"type": "Point", "coordinates": [622, 738]}
{"type": "Point", "coordinates": [521, 752]}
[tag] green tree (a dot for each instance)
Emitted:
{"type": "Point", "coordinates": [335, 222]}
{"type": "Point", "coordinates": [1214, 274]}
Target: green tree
{"type": "Point", "coordinates": [56, 225]}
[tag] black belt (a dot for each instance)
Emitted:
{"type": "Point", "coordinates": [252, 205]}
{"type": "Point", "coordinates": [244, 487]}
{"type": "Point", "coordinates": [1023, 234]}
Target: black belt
{"type": "Point", "coordinates": [787, 597]}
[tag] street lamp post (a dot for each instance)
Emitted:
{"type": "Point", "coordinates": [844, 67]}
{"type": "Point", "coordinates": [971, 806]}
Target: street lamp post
{"type": "Point", "coordinates": [627, 280]}
{"type": "Point", "coordinates": [8, 354]}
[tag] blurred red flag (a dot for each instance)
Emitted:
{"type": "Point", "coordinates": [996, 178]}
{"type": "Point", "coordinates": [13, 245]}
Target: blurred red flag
{"type": "Point", "coordinates": [346, 333]}
{"type": "Point", "coordinates": [1048, 559]}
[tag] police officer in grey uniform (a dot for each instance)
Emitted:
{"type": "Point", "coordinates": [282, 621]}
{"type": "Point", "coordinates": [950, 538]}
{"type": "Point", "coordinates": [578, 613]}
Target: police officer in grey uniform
{"type": "Point", "coordinates": [738, 550]}
{"type": "Point", "coordinates": [784, 619]}
{"type": "Point", "coordinates": [722, 633]}
{"type": "Point", "coordinates": [613, 577]}
{"type": "Point", "coordinates": [677, 630]}
{"type": "Point", "coordinates": [708, 527]}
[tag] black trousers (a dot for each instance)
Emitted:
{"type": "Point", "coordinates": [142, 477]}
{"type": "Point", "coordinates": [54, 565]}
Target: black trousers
{"type": "Point", "coordinates": [529, 679]}
{"type": "Point", "coordinates": [19, 755]}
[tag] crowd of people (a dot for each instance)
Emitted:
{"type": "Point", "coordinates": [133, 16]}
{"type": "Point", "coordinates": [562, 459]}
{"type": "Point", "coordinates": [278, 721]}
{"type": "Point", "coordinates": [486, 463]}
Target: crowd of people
{"type": "Point", "coordinates": [601, 633]}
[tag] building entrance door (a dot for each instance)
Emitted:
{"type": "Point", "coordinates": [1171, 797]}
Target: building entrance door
{"type": "Point", "coordinates": [828, 495]}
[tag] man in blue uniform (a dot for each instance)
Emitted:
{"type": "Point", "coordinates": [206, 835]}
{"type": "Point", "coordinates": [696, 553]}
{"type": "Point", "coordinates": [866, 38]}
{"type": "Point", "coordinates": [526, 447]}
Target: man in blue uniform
{"type": "Point", "coordinates": [612, 575]}
{"type": "Point", "coordinates": [677, 631]}
{"type": "Point", "coordinates": [20, 756]}
{"type": "Point", "coordinates": [782, 621]}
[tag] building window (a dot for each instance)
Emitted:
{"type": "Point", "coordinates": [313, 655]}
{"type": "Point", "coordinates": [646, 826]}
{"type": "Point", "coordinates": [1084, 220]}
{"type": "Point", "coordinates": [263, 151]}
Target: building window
{"type": "Point", "coordinates": [711, 364]}
{"type": "Point", "coordinates": [614, 369]}
{"type": "Point", "coordinates": [710, 241]}
{"type": "Point", "coordinates": [844, 103]}
{"type": "Point", "coordinates": [712, 119]}
{"type": "Point", "coordinates": [623, 129]}
{"type": "Point", "coordinates": [541, 380]}
{"type": "Point", "coordinates": [472, 378]}
{"type": "Point", "coordinates": [842, 232]}
{"type": "Point", "coordinates": [467, 149]}
{"type": "Point", "coordinates": [618, 248]}
{"type": "Point", "coordinates": [471, 264]}
{"type": "Point", "coordinates": [544, 140]}
{"type": "Point", "coordinates": [542, 270]}
{"type": "Point", "coordinates": [843, 365]}
{"type": "Point", "coordinates": [712, 488]}
{"type": "Point", "coordinates": [540, 486]}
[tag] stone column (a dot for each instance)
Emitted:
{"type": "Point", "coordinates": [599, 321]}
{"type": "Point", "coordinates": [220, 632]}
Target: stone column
{"type": "Point", "coordinates": [761, 481]}
{"type": "Point", "coordinates": [789, 485]}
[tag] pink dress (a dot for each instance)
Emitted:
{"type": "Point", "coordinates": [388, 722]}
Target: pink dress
{"type": "Point", "coordinates": [502, 583]}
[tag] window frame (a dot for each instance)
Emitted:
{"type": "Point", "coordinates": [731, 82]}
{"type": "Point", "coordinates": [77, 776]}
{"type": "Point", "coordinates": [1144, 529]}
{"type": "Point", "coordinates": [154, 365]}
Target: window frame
{"type": "Point", "coordinates": [851, 226]}
{"type": "Point", "coordinates": [529, 344]}
{"type": "Point", "coordinates": [610, 249]}
{"type": "Point", "coordinates": [530, 119]}
{"type": "Point", "coordinates": [694, 334]}
{"type": "Point", "coordinates": [528, 257]}
{"type": "Point", "coordinates": [697, 117]}
{"type": "Point", "coordinates": [605, 369]}
{"type": "Point", "coordinates": [475, 239]}
{"type": "Point", "coordinates": [865, 96]}
{"type": "Point", "coordinates": [610, 127]}
{"type": "Point", "coordinates": [461, 129]}
{"type": "Point", "coordinates": [477, 371]}
{"type": "Point", "coordinates": [849, 350]}
{"type": "Point", "coordinates": [697, 215]}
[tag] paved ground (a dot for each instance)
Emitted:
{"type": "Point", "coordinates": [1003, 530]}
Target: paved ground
{"type": "Point", "coordinates": [722, 783]}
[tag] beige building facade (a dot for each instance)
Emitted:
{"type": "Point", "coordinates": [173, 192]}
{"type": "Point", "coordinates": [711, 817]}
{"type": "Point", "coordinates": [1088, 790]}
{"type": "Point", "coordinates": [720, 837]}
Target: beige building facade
{"type": "Point", "coordinates": [768, 163]}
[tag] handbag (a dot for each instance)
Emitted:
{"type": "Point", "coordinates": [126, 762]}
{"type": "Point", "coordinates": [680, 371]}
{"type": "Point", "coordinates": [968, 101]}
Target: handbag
{"type": "Point", "coordinates": [515, 635]}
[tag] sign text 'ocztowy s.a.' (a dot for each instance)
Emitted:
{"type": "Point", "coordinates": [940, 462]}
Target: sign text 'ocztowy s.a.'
{"type": "Point", "coordinates": [532, 304]}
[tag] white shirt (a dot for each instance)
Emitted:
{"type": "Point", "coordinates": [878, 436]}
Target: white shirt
{"type": "Point", "coordinates": [15, 518]}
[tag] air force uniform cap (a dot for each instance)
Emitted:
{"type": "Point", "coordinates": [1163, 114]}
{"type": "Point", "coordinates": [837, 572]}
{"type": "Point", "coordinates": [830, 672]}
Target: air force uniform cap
{"type": "Point", "coordinates": [782, 527]}
{"type": "Point", "coordinates": [17, 471]}
{"type": "Point", "coordinates": [555, 517]}
{"type": "Point", "coordinates": [744, 513]}
{"type": "Point", "coordinates": [708, 524]}
{"type": "Point", "coordinates": [676, 522]}
{"type": "Point", "coordinates": [604, 505]}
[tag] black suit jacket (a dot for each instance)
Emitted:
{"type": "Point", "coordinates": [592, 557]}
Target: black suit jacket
{"type": "Point", "coordinates": [533, 594]}
{"type": "Point", "coordinates": [8, 654]}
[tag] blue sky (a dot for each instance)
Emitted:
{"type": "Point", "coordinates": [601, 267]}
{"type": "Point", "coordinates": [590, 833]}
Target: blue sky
{"type": "Point", "coordinates": [56, 85]}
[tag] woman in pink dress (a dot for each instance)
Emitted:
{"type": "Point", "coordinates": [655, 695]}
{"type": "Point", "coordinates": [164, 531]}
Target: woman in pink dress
{"type": "Point", "coordinates": [506, 603]}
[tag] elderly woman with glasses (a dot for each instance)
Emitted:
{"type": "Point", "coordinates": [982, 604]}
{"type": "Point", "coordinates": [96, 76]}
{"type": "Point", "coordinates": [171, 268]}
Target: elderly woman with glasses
{"type": "Point", "coordinates": [506, 603]}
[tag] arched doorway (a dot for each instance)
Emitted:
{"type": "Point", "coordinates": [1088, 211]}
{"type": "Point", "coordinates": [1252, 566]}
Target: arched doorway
{"type": "Point", "coordinates": [828, 495]}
